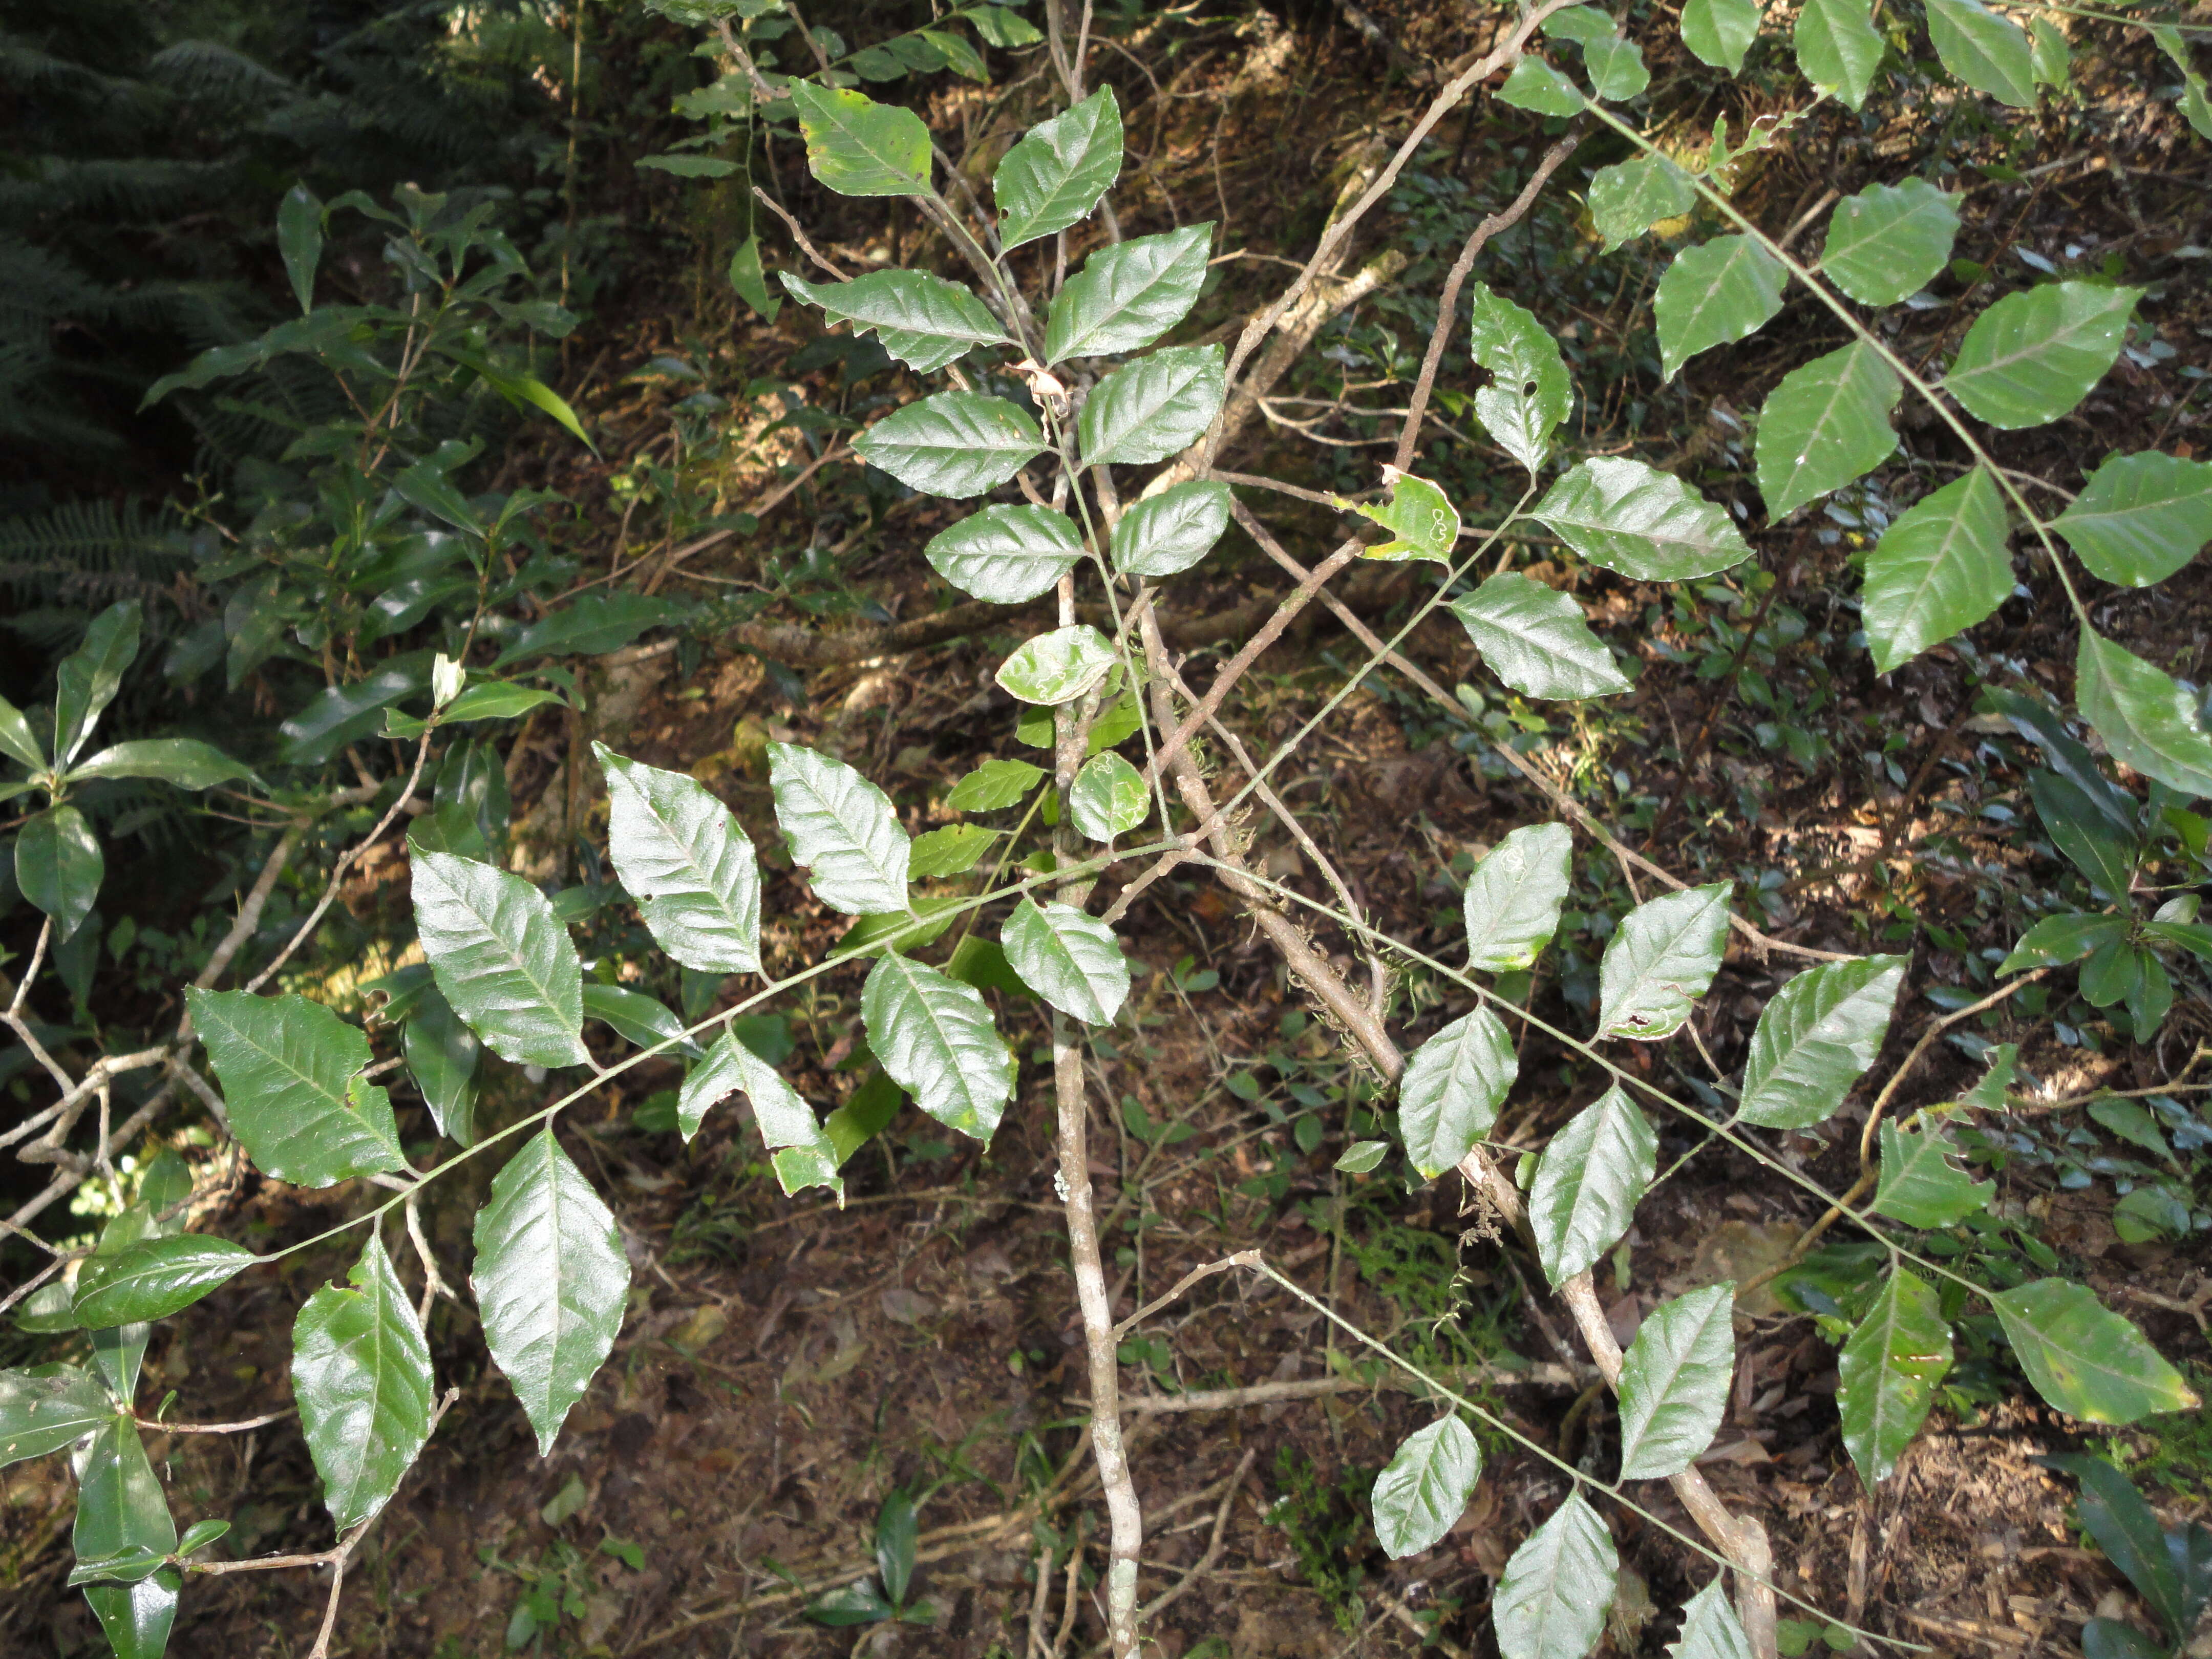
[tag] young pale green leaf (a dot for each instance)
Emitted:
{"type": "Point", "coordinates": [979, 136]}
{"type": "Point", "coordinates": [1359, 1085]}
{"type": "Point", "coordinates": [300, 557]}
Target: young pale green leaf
{"type": "Point", "coordinates": [1711, 1629]}
{"type": "Point", "coordinates": [2140, 517]}
{"type": "Point", "coordinates": [2146, 718]}
{"type": "Point", "coordinates": [2085, 1359]}
{"type": "Point", "coordinates": [290, 1070]}
{"type": "Point", "coordinates": [1674, 1382]}
{"type": "Point", "coordinates": [1450, 1093]}
{"type": "Point", "coordinates": [684, 858]}
{"type": "Point", "coordinates": [954, 850]}
{"type": "Point", "coordinates": [1057, 667]}
{"type": "Point", "coordinates": [842, 828]}
{"type": "Point", "coordinates": [637, 1018]}
{"type": "Point", "coordinates": [924, 321]}
{"type": "Point", "coordinates": [1535, 639]}
{"type": "Point", "coordinates": [361, 1373]}
{"type": "Point", "coordinates": [550, 1278]}
{"type": "Point", "coordinates": [798, 1148]}
{"type": "Point", "coordinates": [1164, 535]}
{"type": "Point", "coordinates": [858, 146]}
{"type": "Point", "coordinates": [994, 786]}
{"type": "Point", "coordinates": [1644, 523]}
{"type": "Point", "coordinates": [121, 1514]}
{"type": "Point", "coordinates": [1815, 1038]}
{"type": "Point", "coordinates": [933, 1036]}
{"type": "Point", "coordinates": [1109, 798]}
{"type": "Point", "coordinates": [1126, 296]}
{"type": "Point", "coordinates": [186, 762]}
{"type": "Point", "coordinates": [45, 1409]}
{"type": "Point", "coordinates": [1838, 48]}
{"type": "Point", "coordinates": [1007, 555]}
{"type": "Point", "coordinates": [1940, 568]}
{"type": "Point", "coordinates": [1714, 293]}
{"type": "Point", "coordinates": [1057, 174]}
{"type": "Point", "coordinates": [90, 676]}
{"type": "Point", "coordinates": [1512, 901]}
{"type": "Point", "coordinates": [1889, 240]}
{"type": "Point", "coordinates": [1660, 960]}
{"type": "Point", "coordinates": [1552, 1601]}
{"type": "Point", "coordinates": [957, 444]}
{"type": "Point", "coordinates": [1070, 959]}
{"type": "Point", "coordinates": [1420, 518]}
{"type": "Point", "coordinates": [1920, 1185]}
{"type": "Point", "coordinates": [59, 867]}
{"type": "Point", "coordinates": [1990, 53]}
{"type": "Point", "coordinates": [1424, 1489]}
{"type": "Point", "coordinates": [502, 958]}
{"type": "Point", "coordinates": [441, 1056]}
{"type": "Point", "coordinates": [1825, 425]}
{"type": "Point", "coordinates": [156, 1277]}
{"type": "Point", "coordinates": [1148, 409]}
{"type": "Point", "coordinates": [1529, 394]}
{"type": "Point", "coordinates": [1888, 1371]}
{"type": "Point", "coordinates": [1629, 198]}
{"type": "Point", "coordinates": [1580, 24]}
{"type": "Point", "coordinates": [2033, 355]}
{"type": "Point", "coordinates": [1720, 32]}
{"type": "Point", "coordinates": [1535, 85]}
{"type": "Point", "coordinates": [2049, 53]}
{"type": "Point", "coordinates": [1615, 65]}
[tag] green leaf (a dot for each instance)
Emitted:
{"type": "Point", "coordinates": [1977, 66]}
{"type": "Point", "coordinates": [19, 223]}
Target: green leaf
{"type": "Point", "coordinates": [291, 1071]}
{"type": "Point", "coordinates": [799, 1148]}
{"type": "Point", "coordinates": [17, 739]}
{"type": "Point", "coordinates": [1148, 409]}
{"type": "Point", "coordinates": [2146, 721]}
{"type": "Point", "coordinates": [1057, 174]}
{"type": "Point", "coordinates": [1422, 522]}
{"type": "Point", "coordinates": [1070, 959]}
{"type": "Point", "coordinates": [858, 146]}
{"type": "Point", "coordinates": [442, 1057]}
{"type": "Point", "coordinates": [994, 786]}
{"type": "Point", "coordinates": [1007, 555]}
{"type": "Point", "coordinates": [341, 715]}
{"type": "Point", "coordinates": [1990, 53]}
{"type": "Point", "coordinates": [1714, 293]}
{"type": "Point", "coordinates": [638, 1018]}
{"type": "Point", "coordinates": [2048, 55]}
{"type": "Point", "coordinates": [1629, 198]}
{"type": "Point", "coordinates": [127, 1568]}
{"type": "Point", "coordinates": [135, 1618]}
{"type": "Point", "coordinates": [1661, 960]}
{"type": "Point", "coordinates": [502, 959]}
{"type": "Point", "coordinates": [2083, 834]}
{"type": "Point", "coordinates": [1529, 394]}
{"type": "Point", "coordinates": [933, 1036]}
{"type": "Point", "coordinates": [120, 1511]}
{"type": "Point", "coordinates": [428, 485]}
{"type": "Point", "coordinates": [1535, 639]}
{"type": "Point", "coordinates": [2033, 355]}
{"type": "Point", "coordinates": [1815, 1038]}
{"type": "Point", "coordinates": [200, 1534]}
{"type": "Point", "coordinates": [1615, 65]}
{"type": "Point", "coordinates": [1513, 898]}
{"type": "Point", "coordinates": [1890, 240]}
{"type": "Point", "coordinates": [1674, 1382]}
{"type": "Point", "coordinates": [682, 857]}
{"type": "Point", "coordinates": [1711, 1629]}
{"type": "Point", "coordinates": [90, 676]}
{"type": "Point", "coordinates": [1001, 27]}
{"type": "Point", "coordinates": [2195, 104]}
{"type": "Point", "coordinates": [1920, 1186]}
{"type": "Point", "coordinates": [1164, 535]}
{"type": "Point", "coordinates": [591, 626]}
{"type": "Point", "coordinates": [2057, 940]}
{"type": "Point", "coordinates": [1580, 24]}
{"type": "Point", "coordinates": [1939, 570]}
{"type": "Point", "coordinates": [154, 1277]}
{"type": "Point", "coordinates": [1057, 667]}
{"type": "Point", "coordinates": [924, 321]}
{"type": "Point", "coordinates": [1589, 1183]}
{"type": "Point", "coordinates": [1424, 1489]}
{"type": "Point", "coordinates": [954, 850]}
{"type": "Point", "coordinates": [1838, 48]}
{"type": "Point", "coordinates": [1646, 524]}
{"type": "Point", "coordinates": [842, 828]}
{"type": "Point", "coordinates": [1535, 85]}
{"type": "Point", "coordinates": [47, 1408]}
{"type": "Point", "coordinates": [1827, 424]}
{"type": "Point", "coordinates": [186, 762]}
{"type": "Point", "coordinates": [2085, 1359]}
{"type": "Point", "coordinates": [1448, 1097]}
{"type": "Point", "coordinates": [1889, 1369]}
{"type": "Point", "coordinates": [1126, 296]}
{"type": "Point", "coordinates": [1362, 1156]}
{"type": "Point", "coordinates": [1720, 32]}
{"type": "Point", "coordinates": [749, 276]}
{"type": "Point", "coordinates": [1109, 798]}
{"type": "Point", "coordinates": [551, 1281]}
{"type": "Point", "coordinates": [2140, 517]}
{"type": "Point", "coordinates": [957, 444]}
{"type": "Point", "coordinates": [2157, 1563]}
{"type": "Point", "coordinates": [361, 1373]}
{"type": "Point", "coordinates": [300, 241]}
{"type": "Point", "coordinates": [59, 867]}
{"type": "Point", "coordinates": [1552, 1601]}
